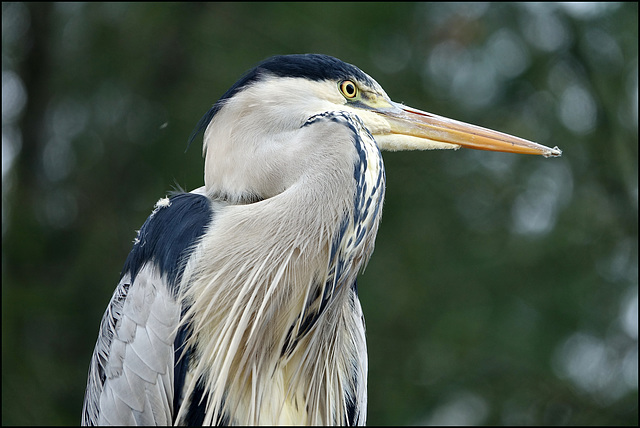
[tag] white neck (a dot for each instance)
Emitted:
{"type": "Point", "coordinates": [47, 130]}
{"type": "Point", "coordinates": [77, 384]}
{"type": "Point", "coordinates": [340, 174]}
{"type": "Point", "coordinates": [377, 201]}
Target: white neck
{"type": "Point", "coordinates": [251, 304]}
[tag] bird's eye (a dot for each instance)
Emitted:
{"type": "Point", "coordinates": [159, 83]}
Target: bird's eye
{"type": "Point", "coordinates": [348, 89]}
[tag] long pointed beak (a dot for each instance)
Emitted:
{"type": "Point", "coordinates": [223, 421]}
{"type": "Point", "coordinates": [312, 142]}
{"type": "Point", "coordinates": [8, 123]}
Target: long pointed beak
{"type": "Point", "coordinates": [412, 129]}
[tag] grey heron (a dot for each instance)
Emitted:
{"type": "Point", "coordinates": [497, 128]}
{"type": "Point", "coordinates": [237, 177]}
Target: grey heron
{"type": "Point", "coordinates": [238, 302]}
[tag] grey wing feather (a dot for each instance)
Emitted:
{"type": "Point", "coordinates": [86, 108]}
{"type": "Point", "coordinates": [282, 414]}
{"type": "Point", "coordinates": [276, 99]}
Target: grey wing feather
{"type": "Point", "coordinates": [359, 415]}
{"type": "Point", "coordinates": [131, 373]}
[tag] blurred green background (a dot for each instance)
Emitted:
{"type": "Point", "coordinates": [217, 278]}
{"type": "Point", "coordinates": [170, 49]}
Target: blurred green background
{"type": "Point", "coordinates": [503, 289]}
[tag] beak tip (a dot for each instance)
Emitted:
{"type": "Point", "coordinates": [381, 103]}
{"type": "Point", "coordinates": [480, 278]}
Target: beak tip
{"type": "Point", "coordinates": [553, 153]}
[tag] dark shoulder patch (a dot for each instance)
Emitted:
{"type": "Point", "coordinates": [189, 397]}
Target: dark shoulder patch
{"type": "Point", "coordinates": [169, 234]}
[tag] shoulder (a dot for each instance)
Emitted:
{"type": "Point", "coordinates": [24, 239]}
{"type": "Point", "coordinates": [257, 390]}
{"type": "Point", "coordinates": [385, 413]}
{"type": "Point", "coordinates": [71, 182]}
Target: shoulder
{"type": "Point", "coordinates": [174, 227]}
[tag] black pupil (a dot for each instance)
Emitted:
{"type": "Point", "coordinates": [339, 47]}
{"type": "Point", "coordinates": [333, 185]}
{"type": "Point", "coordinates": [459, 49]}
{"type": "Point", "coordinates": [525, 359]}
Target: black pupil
{"type": "Point", "coordinates": [349, 89]}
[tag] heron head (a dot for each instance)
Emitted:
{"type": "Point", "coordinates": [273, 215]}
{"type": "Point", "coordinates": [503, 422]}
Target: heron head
{"type": "Point", "coordinates": [256, 128]}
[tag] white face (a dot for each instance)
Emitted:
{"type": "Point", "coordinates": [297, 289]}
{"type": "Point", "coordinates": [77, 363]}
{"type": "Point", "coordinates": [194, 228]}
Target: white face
{"type": "Point", "coordinates": [256, 144]}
